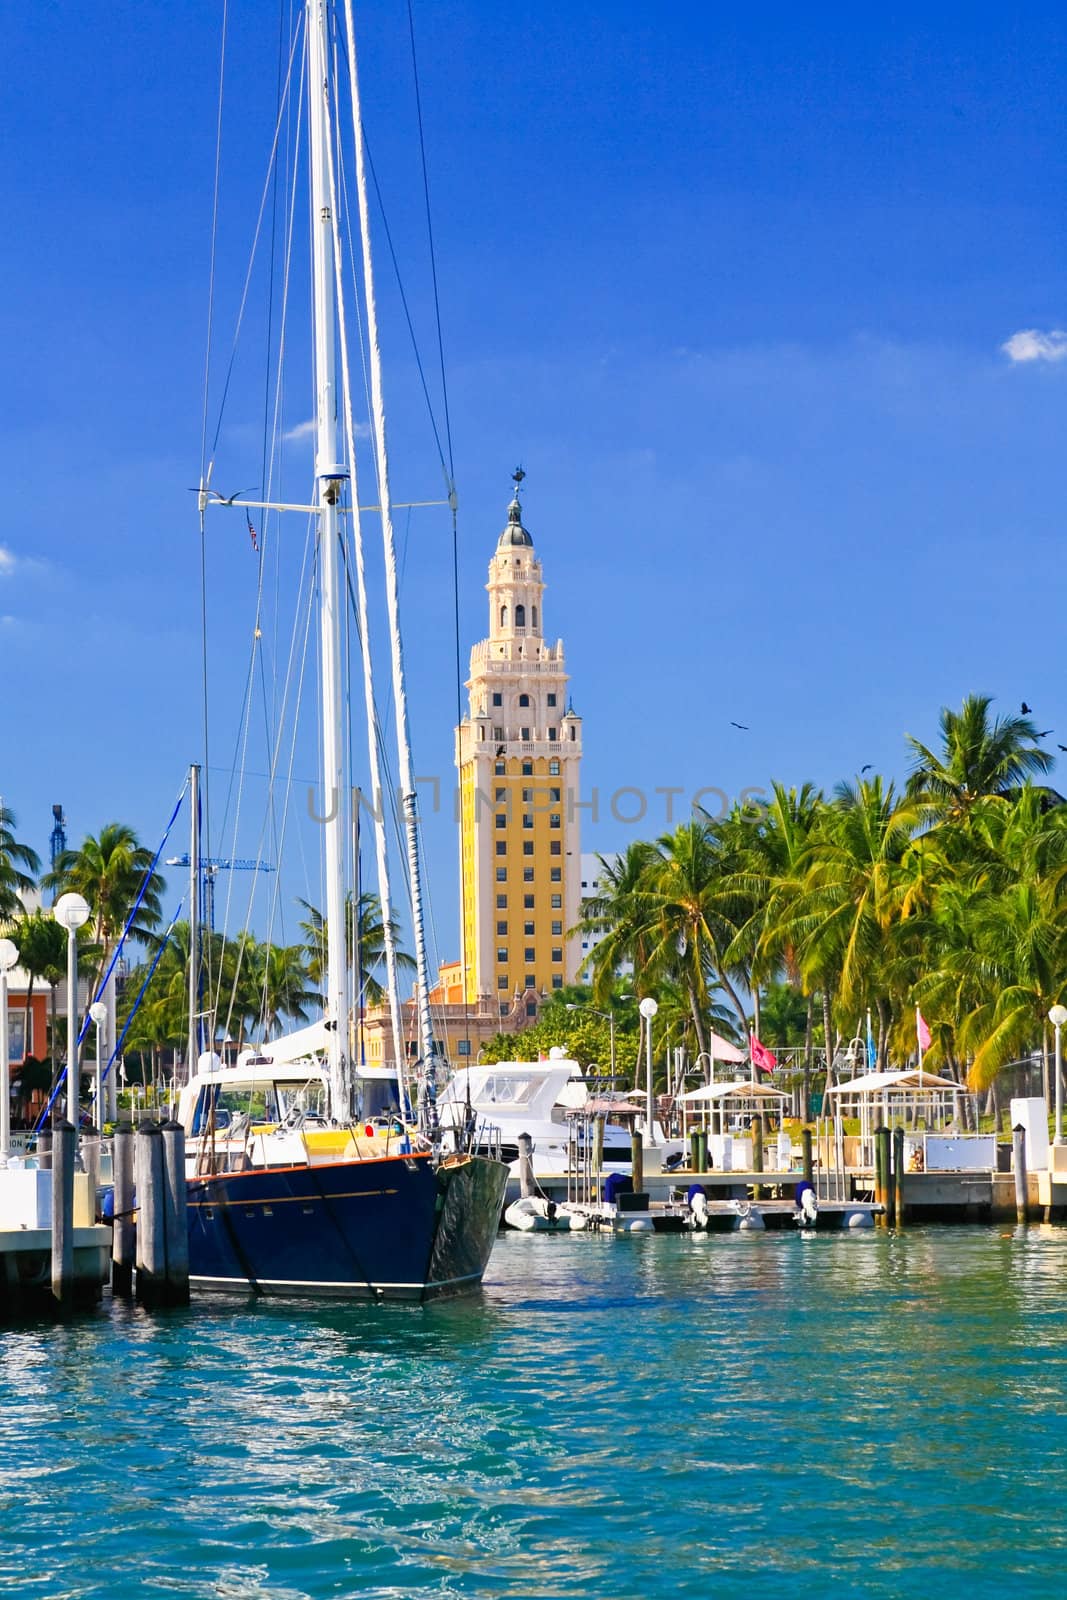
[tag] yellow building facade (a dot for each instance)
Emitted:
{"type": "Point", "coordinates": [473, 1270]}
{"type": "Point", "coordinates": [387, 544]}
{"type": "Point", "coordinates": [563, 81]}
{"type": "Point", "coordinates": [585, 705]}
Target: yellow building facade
{"type": "Point", "coordinates": [519, 753]}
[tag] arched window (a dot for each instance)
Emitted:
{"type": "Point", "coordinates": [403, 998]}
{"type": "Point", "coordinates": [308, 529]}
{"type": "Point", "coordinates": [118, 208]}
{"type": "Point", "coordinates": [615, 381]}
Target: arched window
{"type": "Point", "coordinates": [503, 616]}
{"type": "Point", "coordinates": [524, 699]}
{"type": "Point", "coordinates": [520, 616]}
{"type": "Point", "coordinates": [533, 616]}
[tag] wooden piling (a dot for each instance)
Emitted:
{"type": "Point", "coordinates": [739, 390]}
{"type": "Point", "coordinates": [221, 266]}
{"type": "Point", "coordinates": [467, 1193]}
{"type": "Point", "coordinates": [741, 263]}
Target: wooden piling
{"type": "Point", "coordinates": [64, 1145]}
{"type": "Point", "coordinates": [757, 1152]}
{"type": "Point", "coordinates": [124, 1228]}
{"type": "Point", "coordinates": [807, 1165]}
{"type": "Point", "coordinates": [526, 1183]}
{"type": "Point", "coordinates": [150, 1178]}
{"type": "Point", "coordinates": [44, 1149]}
{"type": "Point", "coordinates": [702, 1149]}
{"type": "Point", "coordinates": [637, 1168]}
{"type": "Point", "coordinates": [694, 1150]}
{"type": "Point", "coordinates": [898, 1176]}
{"type": "Point", "coordinates": [175, 1215]}
{"type": "Point", "coordinates": [881, 1173]}
{"type": "Point", "coordinates": [1018, 1163]}
{"type": "Point", "coordinates": [91, 1163]}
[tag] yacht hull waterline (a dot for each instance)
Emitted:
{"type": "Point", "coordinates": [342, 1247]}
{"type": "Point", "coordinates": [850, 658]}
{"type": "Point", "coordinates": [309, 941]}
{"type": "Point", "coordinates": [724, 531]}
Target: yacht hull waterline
{"type": "Point", "coordinates": [394, 1228]}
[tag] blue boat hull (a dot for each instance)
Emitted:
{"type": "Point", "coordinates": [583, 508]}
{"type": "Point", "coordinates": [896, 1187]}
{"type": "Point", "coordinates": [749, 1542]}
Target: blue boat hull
{"type": "Point", "coordinates": [394, 1228]}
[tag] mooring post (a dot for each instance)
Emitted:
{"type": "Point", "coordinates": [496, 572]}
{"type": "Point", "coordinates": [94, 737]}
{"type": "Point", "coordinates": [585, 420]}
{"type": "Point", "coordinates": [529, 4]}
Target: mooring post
{"type": "Point", "coordinates": [124, 1228]}
{"type": "Point", "coordinates": [175, 1215]}
{"type": "Point", "coordinates": [637, 1168]}
{"type": "Point", "coordinates": [64, 1147]}
{"type": "Point", "coordinates": [1018, 1163]}
{"type": "Point", "coordinates": [881, 1173]}
{"type": "Point", "coordinates": [598, 1149]}
{"type": "Point", "coordinates": [757, 1153]}
{"type": "Point", "coordinates": [807, 1165]}
{"type": "Point", "coordinates": [694, 1149]}
{"type": "Point", "coordinates": [526, 1185]}
{"type": "Point", "coordinates": [44, 1149]}
{"type": "Point", "coordinates": [151, 1216]}
{"type": "Point", "coordinates": [91, 1163]}
{"type": "Point", "coordinates": [898, 1176]}
{"type": "Point", "coordinates": [702, 1149]}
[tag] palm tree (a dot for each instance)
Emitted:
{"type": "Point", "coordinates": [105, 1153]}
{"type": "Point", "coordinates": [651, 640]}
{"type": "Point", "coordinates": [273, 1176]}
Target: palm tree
{"type": "Point", "coordinates": [370, 935]}
{"type": "Point", "coordinates": [109, 869]}
{"type": "Point", "coordinates": [18, 865]}
{"type": "Point", "coordinates": [619, 917]}
{"type": "Point", "coordinates": [280, 974]}
{"type": "Point", "coordinates": [978, 757]}
{"type": "Point", "coordinates": [42, 946]}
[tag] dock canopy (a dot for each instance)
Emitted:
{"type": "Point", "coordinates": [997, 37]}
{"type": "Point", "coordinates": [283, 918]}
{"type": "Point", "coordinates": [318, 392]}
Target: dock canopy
{"type": "Point", "coordinates": [712, 1093]}
{"type": "Point", "coordinates": [912, 1080]}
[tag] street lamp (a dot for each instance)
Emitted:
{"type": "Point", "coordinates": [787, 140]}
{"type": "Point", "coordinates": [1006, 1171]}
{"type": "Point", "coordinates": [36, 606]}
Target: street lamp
{"type": "Point", "coordinates": [1058, 1016]}
{"type": "Point", "coordinates": [71, 911]}
{"type": "Point", "coordinates": [98, 1012]}
{"type": "Point", "coordinates": [648, 1009]}
{"type": "Point", "coordinates": [8, 956]}
{"type": "Point", "coordinates": [609, 1018]}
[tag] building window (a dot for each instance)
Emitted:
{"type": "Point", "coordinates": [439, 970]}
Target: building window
{"type": "Point", "coordinates": [527, 796]}
{"type": "Point", "coordinates": [553, 820]}
{"type": "Point", "coordinates": [573, 732]}
{"type": "Point", "coordinates": [530, 982]}
{"type": "Point", "coordinates": [527, 819]}
{"type": "Point", "coordinates": [502, 875]}
{"type": "Point", "coordinates": [527, 874]}
{"type": "Point", "coordinates": [502, 930]}
{"type": "Point", "coordinates": [503, 616]}
{"type": "Point", "coordinates": [550, 699]}
{"type": "Point", "coordinates": [555, 847]}
{"type": "Point", "coordinates": [551, 735]}
{"type": "Point", "coordinates": [530, 955]}
{"type": "Point", "coordinates": [501, 819]}
{"type": "Point", "coordinates": [528, 902]}
{"type": "Point", "coordinates": [556, 874]}
{"type": "Point", "coordinates": [553, 767]}
{"type": "Point", "coordinates": [498, 735]}
{"type": "Point", "coordinates": [502, 902]}
{"type": "Point", "coordinates": [520, 616]}
{"type": "Point", "coordinates": [553, 795]}
{"type": "Point", "coordinates": [500, 769]}
{"type": "Point", "coordinates": [531, 1005]}
{"type": "Point", "coordinates": [502, 954]}
{"type": "Point", "coordinates": [557, 929]}
{"type": "Point", "coordinates": [527, 769]}
{"type": "Point", "coordinates": [557, 953]}
{"type": "Point", "coordinates": [413, 1047]}
{"type": "Point", "coordinates": [528, 929]}
{"type": "Point", "coordinates": [524, 733]}
{"type": "Point", "coordinates": [463, 1047]}
{"type": "Point", "coordinates": [498, 698]}
{"type": "Point", "coordinates": [557, 980]}
{"type": "Point", "coordinates": [527, 847]}
{"type": "Point", "coordinates": [500, 796]}
{"type": "Point", "coordinates": [524, 699]}
{"type": "Point", "coordinates": [533, 616]}
{"type": "Point", "coordinates": [557, 902]}
{"type": "Point", "coordinates": [502, 982]}
{"type": "Point", "coordinates": [504, 1009]}
{"type": "Point", "coordinates": [502, 847]}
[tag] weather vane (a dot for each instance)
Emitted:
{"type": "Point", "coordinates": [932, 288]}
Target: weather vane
{"type": "Point", "coordinates": [517, 477]}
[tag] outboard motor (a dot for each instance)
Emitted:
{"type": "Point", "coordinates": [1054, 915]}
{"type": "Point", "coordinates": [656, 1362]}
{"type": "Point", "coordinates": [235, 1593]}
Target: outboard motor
{"type": "Point", "coordinates": [697, 1201]}
{"type": "Point", "coordinates": [807, 1212]}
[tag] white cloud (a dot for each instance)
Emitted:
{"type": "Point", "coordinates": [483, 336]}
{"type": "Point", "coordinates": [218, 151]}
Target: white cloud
{"type": "Point", "coordinates": [7, 561]}
{"type": "Point", "coordinates": [305, 430]}
{"type": "Point", "coordinates": [1030, 344]}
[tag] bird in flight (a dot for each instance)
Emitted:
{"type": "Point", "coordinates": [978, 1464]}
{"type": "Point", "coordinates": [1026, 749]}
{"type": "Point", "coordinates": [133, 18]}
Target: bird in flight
{"type": "Point", "coordinates": [1061, 747]}
{"type": "Point", "coordinates": [1025, 709]}
{"type": "Point", "coordinates": [742, 725]}
{"type": "Point", "coordinates": [1046, 733]}
{"type": "Point", "coordinates": [867, 768]}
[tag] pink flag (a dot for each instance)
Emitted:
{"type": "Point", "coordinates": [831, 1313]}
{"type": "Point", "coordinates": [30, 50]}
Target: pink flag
{"type": "Point", "coordinates": [761, 1056]}
{"type": "Point", "coordinates": [922, 1030]}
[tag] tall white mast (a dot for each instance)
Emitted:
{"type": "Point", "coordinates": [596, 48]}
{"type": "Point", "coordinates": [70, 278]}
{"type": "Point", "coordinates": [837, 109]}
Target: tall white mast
{"type": "Point", "coordinates": [329, 475]}
{"type": "Point", "coordinates": [408, 796]}
{"type": "Point", "coordinates": [193, 1048]}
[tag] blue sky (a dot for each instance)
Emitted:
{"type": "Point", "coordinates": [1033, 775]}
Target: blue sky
{"type": "Point", "coordinates": [735, 288]}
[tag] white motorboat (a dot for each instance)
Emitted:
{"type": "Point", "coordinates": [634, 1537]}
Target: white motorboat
{"type": "Point", "coordinates": [535, 1214]}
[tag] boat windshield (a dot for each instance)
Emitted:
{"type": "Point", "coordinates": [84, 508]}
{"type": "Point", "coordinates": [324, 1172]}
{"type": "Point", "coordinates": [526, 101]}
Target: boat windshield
{"type": "Point", "coordinates": [268, 1103]}
{"type": "Point", "coordinates": [506, 1091]}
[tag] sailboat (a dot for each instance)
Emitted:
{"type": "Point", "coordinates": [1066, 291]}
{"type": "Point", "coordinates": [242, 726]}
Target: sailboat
{"type": "Point", "coordinates": [303, 1198]}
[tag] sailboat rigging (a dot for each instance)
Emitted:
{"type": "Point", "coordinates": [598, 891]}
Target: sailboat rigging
{"type": "Point", "coordinates": [301, 1200]}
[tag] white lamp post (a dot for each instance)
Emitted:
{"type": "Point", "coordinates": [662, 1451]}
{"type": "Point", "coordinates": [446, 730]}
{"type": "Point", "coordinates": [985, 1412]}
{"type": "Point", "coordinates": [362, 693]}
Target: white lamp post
{"type": "Point", "coordinates": [71, 911]}
{"type": "Point", "coordinates": [1058, 1016]}
{"type": "Point", "coordinates": [98, 1012]}
{"type": "Point", "coordinates": [8, 956]}
{"type": "Point", "coordinates": [648, 1009]}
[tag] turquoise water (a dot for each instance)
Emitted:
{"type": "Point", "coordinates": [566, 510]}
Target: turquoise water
{"type": "Point", "coordinates": [647, 1416]}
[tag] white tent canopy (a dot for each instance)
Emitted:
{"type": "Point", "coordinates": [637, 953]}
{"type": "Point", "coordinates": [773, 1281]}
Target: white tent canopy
{"type": "Point", "coordinates": [741, 1090]}
{"type": "Point", "coordinates": [912, 1080]}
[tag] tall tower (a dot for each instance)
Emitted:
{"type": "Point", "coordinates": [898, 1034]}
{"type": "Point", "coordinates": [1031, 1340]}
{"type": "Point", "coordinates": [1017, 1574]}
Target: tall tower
{"type": "Point", "coordinates": [519, 753]}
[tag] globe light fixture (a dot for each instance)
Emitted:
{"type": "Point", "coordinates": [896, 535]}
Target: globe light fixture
{"type": "Point", "coordinates": [72, 912]}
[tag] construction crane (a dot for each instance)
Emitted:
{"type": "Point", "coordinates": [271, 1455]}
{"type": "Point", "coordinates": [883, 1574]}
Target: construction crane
{"type": "Point", "coordinates": [210, 867]}
{"type": "Point", "coordinates": [58, 840]}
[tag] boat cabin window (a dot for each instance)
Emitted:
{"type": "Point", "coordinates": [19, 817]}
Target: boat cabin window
{"type": "Point", "coordinates": [504, 1091]}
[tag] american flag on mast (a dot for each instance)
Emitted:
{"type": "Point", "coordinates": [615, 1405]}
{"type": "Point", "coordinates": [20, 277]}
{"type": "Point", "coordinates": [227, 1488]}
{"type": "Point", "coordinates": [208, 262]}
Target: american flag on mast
{"type": "Point", "coordinates": [252, 532]}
